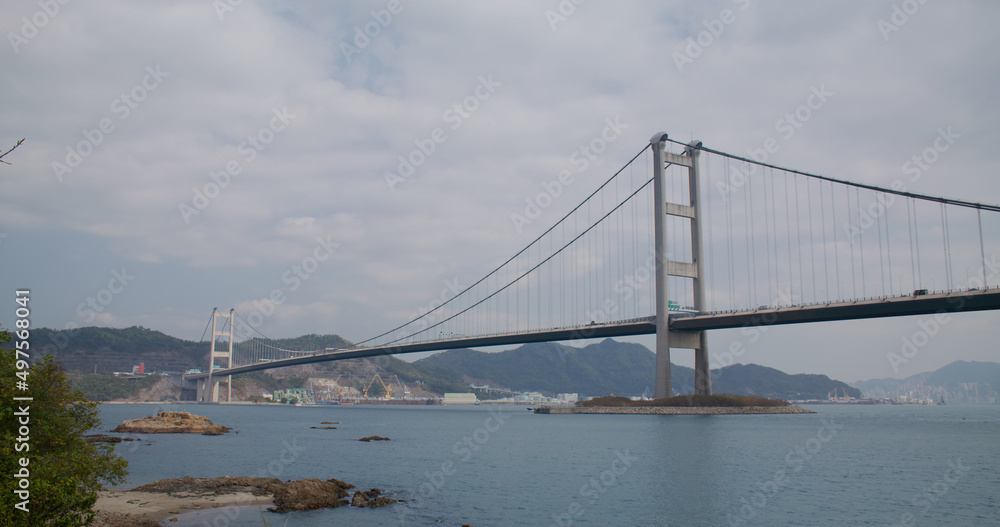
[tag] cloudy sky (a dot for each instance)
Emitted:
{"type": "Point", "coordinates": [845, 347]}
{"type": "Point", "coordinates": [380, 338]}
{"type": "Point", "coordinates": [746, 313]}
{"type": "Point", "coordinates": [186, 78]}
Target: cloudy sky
{"type": "Point", "coordinates": [186, 155]}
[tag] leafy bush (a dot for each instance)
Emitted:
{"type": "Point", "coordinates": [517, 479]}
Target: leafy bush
{"type": "Point", "coordinates": [65, 471]}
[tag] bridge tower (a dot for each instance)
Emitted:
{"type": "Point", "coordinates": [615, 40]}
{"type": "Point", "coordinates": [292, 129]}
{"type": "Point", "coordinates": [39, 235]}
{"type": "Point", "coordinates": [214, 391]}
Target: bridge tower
{"type": "Point", "coordinates": [210, 390]}
{"type": "Point", "coordinates": [665, 337]}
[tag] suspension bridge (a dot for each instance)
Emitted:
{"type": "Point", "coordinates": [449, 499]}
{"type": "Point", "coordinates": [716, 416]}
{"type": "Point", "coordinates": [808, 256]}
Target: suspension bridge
{"type": "Point", "coordinates": [681, 240]}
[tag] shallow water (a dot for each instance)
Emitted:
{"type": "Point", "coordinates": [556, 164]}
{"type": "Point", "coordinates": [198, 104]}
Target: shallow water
{"type": "Point", "coordinates": [502, 465]}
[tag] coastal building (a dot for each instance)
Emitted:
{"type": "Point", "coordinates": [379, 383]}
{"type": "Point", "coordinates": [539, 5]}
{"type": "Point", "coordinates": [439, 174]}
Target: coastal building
{"type": "Point", "coordinates": [300, 395]}
{"type": "Point", "coordinates": [460, 398]}
{"type": "Point", "coordinates": [568, 397]}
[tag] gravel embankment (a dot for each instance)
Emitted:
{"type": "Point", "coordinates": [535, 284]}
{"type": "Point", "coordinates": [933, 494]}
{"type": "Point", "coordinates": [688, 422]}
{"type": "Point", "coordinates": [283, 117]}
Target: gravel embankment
{"type": "Point", "coordinates": [675, 410]}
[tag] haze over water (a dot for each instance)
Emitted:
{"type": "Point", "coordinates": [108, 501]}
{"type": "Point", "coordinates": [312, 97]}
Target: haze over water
{"type": "Point", "coordinates": [501, 465]}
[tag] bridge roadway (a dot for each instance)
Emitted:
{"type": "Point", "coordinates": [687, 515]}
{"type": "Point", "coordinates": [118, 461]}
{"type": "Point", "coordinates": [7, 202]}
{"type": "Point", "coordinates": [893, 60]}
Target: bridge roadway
{"type": "Point", "coordinates": [974, 300]}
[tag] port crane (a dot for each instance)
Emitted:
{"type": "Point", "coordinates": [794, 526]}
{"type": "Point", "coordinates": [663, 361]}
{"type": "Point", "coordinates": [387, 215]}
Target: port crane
{"type": "Point", "coordinates": [388, 390]}
{"type": "Point", "coordinates": [406, 393]}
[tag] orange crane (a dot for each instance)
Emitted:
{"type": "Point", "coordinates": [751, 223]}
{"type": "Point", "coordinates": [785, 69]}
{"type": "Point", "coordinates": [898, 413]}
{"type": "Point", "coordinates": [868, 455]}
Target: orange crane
{"type": "Point", "coordinates": [388, 390]}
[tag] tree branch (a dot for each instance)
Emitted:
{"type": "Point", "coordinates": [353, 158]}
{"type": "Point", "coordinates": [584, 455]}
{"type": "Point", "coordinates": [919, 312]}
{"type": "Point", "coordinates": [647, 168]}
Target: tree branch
{"type": "Point", "coordinates": [9, 151]}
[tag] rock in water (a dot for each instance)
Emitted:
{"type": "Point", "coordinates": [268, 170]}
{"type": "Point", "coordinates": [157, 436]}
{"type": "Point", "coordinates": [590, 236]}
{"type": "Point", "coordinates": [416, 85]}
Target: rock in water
{"type": "Point", "coordinates": [373, 438]}
{"type": "Point", "coordinates": [307, 494]}
{"type": "Point", "coordinates": [172, 423]}
{"type": "Point", "coordinates": [380, 501]}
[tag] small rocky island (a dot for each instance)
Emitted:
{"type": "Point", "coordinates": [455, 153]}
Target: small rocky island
{"type": "Point", "coordinates": [172, 423]}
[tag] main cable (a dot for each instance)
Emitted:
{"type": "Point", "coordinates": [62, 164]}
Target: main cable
{"type": "Point", "coordinates": [947, 201]}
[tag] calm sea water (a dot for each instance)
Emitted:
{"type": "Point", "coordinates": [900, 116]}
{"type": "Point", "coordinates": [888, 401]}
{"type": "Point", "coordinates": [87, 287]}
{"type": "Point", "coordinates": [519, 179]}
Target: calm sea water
{"type": "Point", "coordinates": [499, 465]}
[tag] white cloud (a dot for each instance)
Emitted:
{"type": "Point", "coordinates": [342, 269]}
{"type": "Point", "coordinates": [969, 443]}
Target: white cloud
{"type": "Point", "coordinates": [323, 173]}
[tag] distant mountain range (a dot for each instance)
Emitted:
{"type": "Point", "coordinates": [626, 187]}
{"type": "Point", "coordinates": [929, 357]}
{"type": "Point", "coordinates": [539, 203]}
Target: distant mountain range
{"type": "Point", "coordinates": [606, 367]}
{"type": "Point", "coordinates": [960, 381]}
{"type": "Point", "coordinates": [611, 367]}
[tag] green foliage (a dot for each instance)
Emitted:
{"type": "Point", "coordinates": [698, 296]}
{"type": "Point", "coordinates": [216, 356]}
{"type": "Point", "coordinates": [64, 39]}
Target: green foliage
{"type": "Point", "coordinates": [98, 387]}
{"type": "Point", "coordinates": [65, 470]}
{"type": "Point", "coordinates": [435, 379]}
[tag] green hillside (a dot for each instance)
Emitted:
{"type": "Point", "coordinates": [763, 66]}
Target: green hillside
{"type": "Point", "coordinates": [751, 379]}
{"type": "Point", "coordinates": [599, 369]}
{"type": "Point", "coordinates": [604, 368]}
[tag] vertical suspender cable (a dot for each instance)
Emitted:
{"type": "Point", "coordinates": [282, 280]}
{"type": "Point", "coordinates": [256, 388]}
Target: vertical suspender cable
{"type": "Point", "coordinates": [798, 238]}
{"type": "Point", "coordinates": [947, 251]}
{"type": "Point", "coordinates": [888, 246]}
{"type": "Point", "coordinates": [909, 226]}
{"type": "Point", "coordinates": [812, 241]}
{"type": "Point", "coordinates": [727, 199]}
{"type": "Point", "coordinates": [788, 236]}
{"type": "Point", "coordinates": [881, 267]}
{"type": "Point", "coordinates": [753, 246]}
{"type": "Point", "coordinates": [982, 253]}
{"type": "Point", "coordinates": [710, 224]}
{"type": "Point", "coordinates": [749, 237]}
{"type": "Point", "coordinates": [774, 230]}
{"type": "Point", "coordinates": [836, 251]}
{"type": "Point", "coordinates": [916, 239]}
{"type": "Point", "coordinates": [861, 244]}
{"type": "Point", "coordinates": [850, 241]}
{"type": "Point", "coordinates": [826, 258]}
{"type": "Point", "coordinates": [767, 233]}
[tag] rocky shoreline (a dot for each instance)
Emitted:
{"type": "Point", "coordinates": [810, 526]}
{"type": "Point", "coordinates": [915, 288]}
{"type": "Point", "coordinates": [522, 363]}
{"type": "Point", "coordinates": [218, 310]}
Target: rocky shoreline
{"type": "Point", "coordinates": [166, 498]}
{"type": "Point", "coordinates": [673, 410]}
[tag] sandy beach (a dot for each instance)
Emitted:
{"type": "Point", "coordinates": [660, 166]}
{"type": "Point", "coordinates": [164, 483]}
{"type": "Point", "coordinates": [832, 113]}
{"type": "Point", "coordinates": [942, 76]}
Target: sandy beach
{"type": "Point", "coordinates": [131, 507]}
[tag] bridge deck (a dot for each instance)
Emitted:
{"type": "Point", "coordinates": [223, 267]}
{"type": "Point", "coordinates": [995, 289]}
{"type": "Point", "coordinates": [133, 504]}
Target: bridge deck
{"type": "Point", "coordinates": [976, 300]}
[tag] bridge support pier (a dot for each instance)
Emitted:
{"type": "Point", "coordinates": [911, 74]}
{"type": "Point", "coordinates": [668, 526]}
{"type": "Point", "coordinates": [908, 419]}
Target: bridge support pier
{"type": "Point", "coordinates": [212, 394]}
{"type": "Point", "coordinates": [665, 267]}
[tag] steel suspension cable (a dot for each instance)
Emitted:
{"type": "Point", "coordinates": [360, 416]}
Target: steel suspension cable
{"type": "Point", "coordinates": [909, 226]}
{"type": "Point", "coordinates": [881, 267]}
{"type": "Point", "coordinates": [516, 280]}
{"type": "Point", "coordinates": [946, 201]}
{"type": "Point", "coordinates": [850, 242]}
{"type": "Point", "coordinates": [547, 231]}
{"type": "Point", "coordinates": [982, 253]}
{"type": "Point", "coordinates": [836, 244]}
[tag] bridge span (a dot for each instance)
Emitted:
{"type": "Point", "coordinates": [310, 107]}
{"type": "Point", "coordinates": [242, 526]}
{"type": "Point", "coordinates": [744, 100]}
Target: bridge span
{"type": "Point", "coordinates": [680, 323]}
{"type": "Point", "coordinates": [649, 239]}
